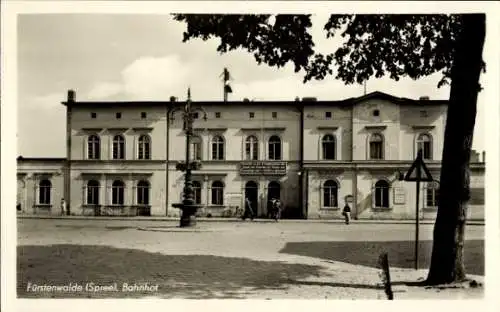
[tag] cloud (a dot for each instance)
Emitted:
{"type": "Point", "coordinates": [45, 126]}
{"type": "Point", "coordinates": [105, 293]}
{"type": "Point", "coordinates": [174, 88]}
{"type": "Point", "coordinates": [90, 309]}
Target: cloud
{"type": "Point", "coordinates": [104, 90]}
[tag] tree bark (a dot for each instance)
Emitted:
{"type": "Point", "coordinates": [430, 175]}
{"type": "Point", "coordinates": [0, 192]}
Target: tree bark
{"type": "Point", "coordinates": [447, 264]}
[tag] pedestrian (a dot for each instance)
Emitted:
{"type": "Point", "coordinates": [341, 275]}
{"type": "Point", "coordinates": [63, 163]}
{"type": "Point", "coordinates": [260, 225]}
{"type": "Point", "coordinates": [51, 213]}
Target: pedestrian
{"type": "Point", "coordinates": [346, 212]}
{"type": "Point", "coordinates": [63, 207]}
{"type": "Point", "coordinates": [248, 209]}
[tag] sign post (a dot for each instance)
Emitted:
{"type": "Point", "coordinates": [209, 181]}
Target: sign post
{"type": "Point", "coordinates": [419, 168]}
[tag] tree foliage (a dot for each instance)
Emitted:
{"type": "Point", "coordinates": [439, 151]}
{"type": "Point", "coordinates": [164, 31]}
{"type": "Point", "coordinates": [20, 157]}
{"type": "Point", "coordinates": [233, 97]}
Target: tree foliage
{"type": "Point", "coordinates": [374, 45]}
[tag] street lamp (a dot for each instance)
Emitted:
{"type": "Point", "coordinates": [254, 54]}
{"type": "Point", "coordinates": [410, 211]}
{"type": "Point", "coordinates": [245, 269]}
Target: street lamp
{"type": "Point", "coordinates": [188, 206]}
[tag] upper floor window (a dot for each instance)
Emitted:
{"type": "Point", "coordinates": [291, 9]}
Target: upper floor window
{"type": "Point", "coordinates": [217, 114]}
{"type": "Point", "coordinates": [424, 143]}
{"type": "Point", "coordinates": [93, 192]}
{"type": "Point", "coordinates": [44, 192]}
{"type": "Point", "coordinates": [144, 150]}
{"type": "Point", "coordinates": [251, 148]}
{"type": "Point", "coordinates": [94, 147]}
{"type": "Point", "coordinates": [143, 193]}
{"type": "Point", "coordinates": [432, 195]}
{"type": "Point", "coordinates": [275, 115]}
{"type": "Point", "coordinates": [330, 194]}
{"type": "Point", "coordinates": [217, 148]}
{"type": "Point", "coordinates": [118, 147]}
{"type": "Point", "coordinates": [143, 115]}
{"type": "Point", "coordinates": [382, 194]}
{"type": "Point", "coordinates": [328, 144]}
{"type": "Point", "coordinates": [274, 148]}
{"type": "Point", "coordinates": [217, 193]}
{"type": "Point", "coordinates": [376, 112]}
{"type": "Point", "coordinates": [196, 115]}
{"type": "Point", "coordinates": [328, 115]}
{"type": "Point", "coordinates": [196, 150]}
{"type": "Point", "coordinates": [117, 193]}
{"type": "Point", "coordinates": [118, 115]}
{"type": "Point", "coordinates": [93, 115]}
{"type": "Point", "coordinates": [376, 146]}
{"type": "Point", "coordinates": [197, 192]}
{"type": "Point", "coordinates": [251, 115]}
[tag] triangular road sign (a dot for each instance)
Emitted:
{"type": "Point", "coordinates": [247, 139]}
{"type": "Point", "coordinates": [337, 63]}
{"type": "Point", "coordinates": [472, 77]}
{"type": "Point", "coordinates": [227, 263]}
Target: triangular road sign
{"type": "Point", "coordinates": [418, 168]}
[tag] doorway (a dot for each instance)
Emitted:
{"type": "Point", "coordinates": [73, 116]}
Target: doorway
{"type": "Point", "coordinates": [251, 192]}
{"type": "Point", "coordinates": [273, 191]}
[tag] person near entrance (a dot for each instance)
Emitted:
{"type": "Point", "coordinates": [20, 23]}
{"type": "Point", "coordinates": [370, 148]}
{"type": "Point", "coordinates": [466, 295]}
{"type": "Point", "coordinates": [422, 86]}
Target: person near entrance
{"type": "Point", "coordinates": [248, 210]}
{"type": "Point", "coordinates": [63, 207]}
{"type": "Point", "coordinates": [346, 212]}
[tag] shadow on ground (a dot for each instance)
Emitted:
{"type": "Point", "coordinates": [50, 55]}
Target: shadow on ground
{"type": "Point", "coordinates": [401, 253]}
{"type": "Point", "coordinates": [181, 276]}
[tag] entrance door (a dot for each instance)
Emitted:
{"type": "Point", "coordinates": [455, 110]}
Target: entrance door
{"type": "Point", "coordinates": [251, 192]}
{"type": "Point", "coordinates": [273, 192]}
{"type": "Point", "coordinates": [20, 196]}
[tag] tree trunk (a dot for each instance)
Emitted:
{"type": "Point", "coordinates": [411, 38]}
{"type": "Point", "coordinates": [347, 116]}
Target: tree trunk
{"type": "Point", "coordinates": [447, 251]}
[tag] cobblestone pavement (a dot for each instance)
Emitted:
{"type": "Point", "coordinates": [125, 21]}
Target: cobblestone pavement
{"type": "Point", "coordinates": [234, 259]}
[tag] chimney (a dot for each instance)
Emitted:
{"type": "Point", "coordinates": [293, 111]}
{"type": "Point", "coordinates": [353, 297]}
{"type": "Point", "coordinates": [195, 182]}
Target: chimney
{"type": "Point", "coordinates": [424, 98]}
{"type": "Point", "coordinates": [71, 95]}
{"type": "Point", "coordinates": [173, 99]}
{"type": "Point", "coordinates": [246, 100]}
{"type": "Point", "coordinates": [297, 99]}
{"type": "Point", "coordinates": [484, 156]}
{"type": "Point", "coordinates": [309, 99]}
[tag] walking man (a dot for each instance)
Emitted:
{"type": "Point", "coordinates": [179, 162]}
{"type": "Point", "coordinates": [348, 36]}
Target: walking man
{"type": "Point", "coordinates": [63, 207]}
{"type": "Point", "coordinates": [248, 209]}
{"type": "Point", "coordinates": [347, 213]}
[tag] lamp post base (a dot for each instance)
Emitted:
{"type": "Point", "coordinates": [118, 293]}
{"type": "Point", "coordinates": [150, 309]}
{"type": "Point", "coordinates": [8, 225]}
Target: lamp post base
{"type": "Point", "coordinates": [188, 216]}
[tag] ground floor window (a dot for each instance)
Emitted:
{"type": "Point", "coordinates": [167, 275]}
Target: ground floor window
{"type": "Point", "coordinates": [217, 193]}
{"type": "Point", "coordinates": [330, 194]}
{"type": "Point", "coordinates": [44, 192]}
{"type": "Point", "coordinates": [197, 192]}
{"type": "Point", "coordinates": [432, 195]}
{"type": "Point", "coordinates": [143, 193]}
{"type": "Point", "coordinates": [92, 192]}
{"type": "Point", "coordinates": [117, 193]}
{"type": "Point", "coordinates": [382, 194]}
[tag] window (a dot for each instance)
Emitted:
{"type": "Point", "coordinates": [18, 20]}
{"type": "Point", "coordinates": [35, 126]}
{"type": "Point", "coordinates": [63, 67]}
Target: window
{"type": "Point", "coordinates": [94, 147]}
{"type": "Point", "coordinates": [92, 192]}
{"type": "Point", "coordinates": [275, 115]}
{"type": "Point", "coordinates": [118, 147]}
{"type": "Point", "coordinates": [328, 144]}
{"type": "Point", "coordinates": [274, 148]}
{"type": "Point", "coordinates": [143, 193]}
{"type": "Point", "coordinates": [376, 146]}
{"type": "Point", "coordinates": [143, 115]}
{"type": "Point", "coordinates": [423, 113]}
{"type": "Point", "coordinates": [382, 194]}
{"type": "Point", "coordinates": [424, 143]}
{"type": "Point", "coordinates": [330, 193]}
{"type": "Point", "coordinates": [376, 113]}
{"type": "Point", "coordinates": [196, 115]}
{"type": "Point", "coordinates": [93, 115]}
{"type": "Point", "coordinates": [217, 148]}
{"type": "Point", "coordinates": [117, 193]}
{"type": "Point", "coordinates": [118, 115]}
{"type": "Point", "coordinates": [328, 115]}
{"type": "Point", "coordinates": [44, 192]}
{"type": "Point", "coordinates": [251, 148]}
{"type": "Point", "coordinates": [251, 115]}
{"type": "Point", "coordinates": [197, 192]}
{"type": "Point", "coordinates": [144, 147]}
{"type": "Point", "coordinates": [432, 195]}
{"type": "Point", "coordinates": [217, 193]}
{"type": "Point", "coordinates": [217, 115]}
{"type": "Point", "coordinates": [196, 150]}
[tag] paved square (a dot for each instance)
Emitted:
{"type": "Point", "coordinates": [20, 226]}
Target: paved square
{"type": "Point", "coordinates": [289, 259]}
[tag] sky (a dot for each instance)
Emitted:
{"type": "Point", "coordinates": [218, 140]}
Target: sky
{"type": "Point", "coordinates": [142, 57]}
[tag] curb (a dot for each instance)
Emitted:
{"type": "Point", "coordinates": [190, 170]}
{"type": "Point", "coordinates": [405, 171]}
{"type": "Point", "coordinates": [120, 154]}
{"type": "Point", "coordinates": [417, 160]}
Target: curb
{"type": "Point", "coordinates": [425, 222]}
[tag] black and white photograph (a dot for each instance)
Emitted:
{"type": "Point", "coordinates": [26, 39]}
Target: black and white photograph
{"type": "Point", "coordinates": [263, 151]}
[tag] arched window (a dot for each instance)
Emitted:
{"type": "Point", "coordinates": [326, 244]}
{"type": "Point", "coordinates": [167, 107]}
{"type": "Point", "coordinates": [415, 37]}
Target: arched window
{"type": "Point", "coordinates": [94, 147]}
{"type": "Point", "coordinates": [143, 193]}
{"type": "Point", "coordinates": [118, 147]}
{"type": "Point", "coordinates": [432, 195]}
{"type": "Point", "coordinates": [376, 146]}
{"type": "Point", "coordinates": [251, 148]}
{"type": "Point", "coordinates": [273, 190]}
{"type": "Point", "coordinates": [92, 192]}
{"type": "Point", "coordinates": [144, 150]}
{"type": "Point", "coordinates": [44, 192]}
{"type": "Point", "coordinates": [217, 148]}
{"type": "Point", "coordinates": [117, 193]}
{"type": "Point", "coordinates": [330, 194]}
{"type": "Point", "coordinates": [197, 192]}
{"type": "Point", "coordinates": [274, 148]}
{"type": "Point", "coordinates": [328, 144]}
{"type": "Point", "coordinates": [424, 143]}
{"type": "Point", "coordinates": [382, 194]}
{"type": "Point", "coordinates": [196, 148]}
{"type": "Point", "coordinates": [217, 193]}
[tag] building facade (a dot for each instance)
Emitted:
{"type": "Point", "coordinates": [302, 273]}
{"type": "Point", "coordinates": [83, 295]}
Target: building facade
{"type": "Point", "coordinates": [315, 156]}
